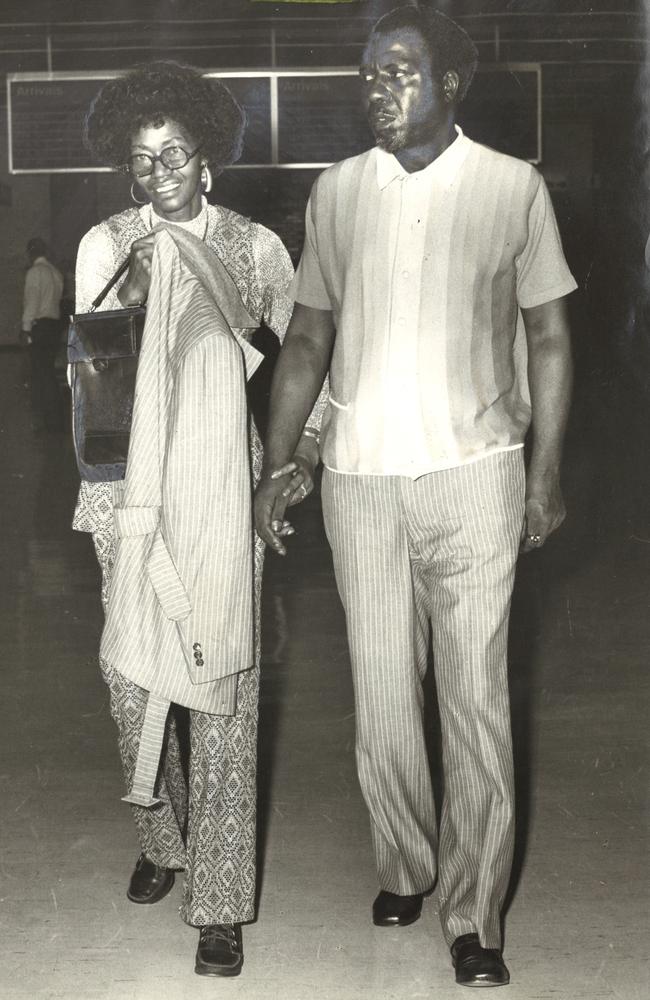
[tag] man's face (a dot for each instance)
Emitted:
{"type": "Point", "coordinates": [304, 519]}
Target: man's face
{"type": "Point", "coordinates": [406, 107]}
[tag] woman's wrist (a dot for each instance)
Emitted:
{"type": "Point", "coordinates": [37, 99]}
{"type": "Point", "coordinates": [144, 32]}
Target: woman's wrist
{"type": "Point", "coordinates": [311, 432]}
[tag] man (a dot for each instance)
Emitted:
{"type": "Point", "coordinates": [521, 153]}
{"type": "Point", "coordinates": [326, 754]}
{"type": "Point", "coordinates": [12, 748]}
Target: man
{"type": "Point", "coordinates": [42, 328]}
{"type": "Point", "coordinates": [430, 263]}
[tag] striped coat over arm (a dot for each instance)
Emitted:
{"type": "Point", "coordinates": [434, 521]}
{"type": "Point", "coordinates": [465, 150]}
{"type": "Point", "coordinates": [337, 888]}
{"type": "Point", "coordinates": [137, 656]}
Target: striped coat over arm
{"type": "Point", "coordinates": [180, 617]}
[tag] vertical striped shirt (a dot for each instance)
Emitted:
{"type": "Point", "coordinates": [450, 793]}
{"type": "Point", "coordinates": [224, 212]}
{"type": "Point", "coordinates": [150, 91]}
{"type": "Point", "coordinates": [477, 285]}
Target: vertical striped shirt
{"type": "Point", "coordinates": [426, 274]}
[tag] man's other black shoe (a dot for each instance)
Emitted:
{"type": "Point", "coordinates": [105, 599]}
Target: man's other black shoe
{"type": "Point", "coordinates": [477, 966]}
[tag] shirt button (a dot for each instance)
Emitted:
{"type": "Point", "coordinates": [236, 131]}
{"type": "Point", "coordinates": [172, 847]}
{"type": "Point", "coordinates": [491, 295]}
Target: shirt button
{"type": "Point", "coordinates": [405, 274]}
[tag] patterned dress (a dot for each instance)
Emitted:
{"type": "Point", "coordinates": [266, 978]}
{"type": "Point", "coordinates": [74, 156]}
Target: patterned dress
{"type": "Point", "coordinates": [205, 826]}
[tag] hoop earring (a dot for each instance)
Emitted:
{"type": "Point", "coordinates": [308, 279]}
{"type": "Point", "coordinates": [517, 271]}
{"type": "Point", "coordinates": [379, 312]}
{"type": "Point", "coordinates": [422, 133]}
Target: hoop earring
{"type": "Point", "coordinates": [133, 197]}
{"type": "Point", "coordinates": [206, 179]}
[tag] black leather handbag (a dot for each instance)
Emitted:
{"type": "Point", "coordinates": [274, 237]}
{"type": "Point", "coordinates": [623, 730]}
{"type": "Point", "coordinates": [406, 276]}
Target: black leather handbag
{"type": "Point", "coordinates": [103, 350]}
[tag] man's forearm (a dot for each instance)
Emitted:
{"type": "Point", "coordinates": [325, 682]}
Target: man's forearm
{"type": "Point", "coordinates": [299, 373]}
{"type": "Point", "coordinates": [550, 376]}
{"type": "Point", "coordinates": [296, 384]}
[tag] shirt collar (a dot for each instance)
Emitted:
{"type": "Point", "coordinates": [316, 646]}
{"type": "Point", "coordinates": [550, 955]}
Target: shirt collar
{"type": "Point", "coordinates": [444, 168]}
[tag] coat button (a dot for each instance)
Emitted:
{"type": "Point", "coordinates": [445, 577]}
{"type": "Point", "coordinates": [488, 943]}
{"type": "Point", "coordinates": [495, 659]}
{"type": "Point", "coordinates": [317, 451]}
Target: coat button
{"type": "Point", "coordinates": [197, 645]}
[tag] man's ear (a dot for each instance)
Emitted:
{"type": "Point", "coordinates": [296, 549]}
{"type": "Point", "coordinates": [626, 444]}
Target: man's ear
{"type": "Point", "coordinates": [450, 85]}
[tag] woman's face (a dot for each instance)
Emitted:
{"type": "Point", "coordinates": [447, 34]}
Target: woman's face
{"type": "Point", "coordinates": [175, 193]}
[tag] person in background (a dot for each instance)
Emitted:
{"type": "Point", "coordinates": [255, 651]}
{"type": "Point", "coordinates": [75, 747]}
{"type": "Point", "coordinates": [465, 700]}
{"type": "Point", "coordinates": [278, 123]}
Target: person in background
{"type": "Point", "coordinates": [42, 330]}
{"type": "Point", "coordinates": [434, 278]}
{"type": "Point", "coordinates": [168, 128]}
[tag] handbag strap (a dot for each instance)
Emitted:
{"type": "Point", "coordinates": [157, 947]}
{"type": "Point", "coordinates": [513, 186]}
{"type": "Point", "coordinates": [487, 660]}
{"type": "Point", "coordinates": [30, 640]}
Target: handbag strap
{"type": "Point", "coordinates": [107, 287]}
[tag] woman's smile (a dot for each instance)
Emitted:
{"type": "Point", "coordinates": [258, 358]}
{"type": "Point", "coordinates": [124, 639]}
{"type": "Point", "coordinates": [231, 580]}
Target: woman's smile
{"type": "Point", "coordinates": [175, 192]}
{"type": "Point", "coordinates": [167, 187]}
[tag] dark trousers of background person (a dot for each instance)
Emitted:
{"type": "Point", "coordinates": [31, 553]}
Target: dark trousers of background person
{"type": "Point", "coordinates": [47, 405]}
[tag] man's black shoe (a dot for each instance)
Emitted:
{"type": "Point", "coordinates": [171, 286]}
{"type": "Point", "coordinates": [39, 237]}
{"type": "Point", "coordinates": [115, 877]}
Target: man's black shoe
{"type": "Point", "coordinates": [391, 910]}
{"type": "Point", "coordinates": [220, 951]}
{"type": "Point", "coordinates": [149, 882]}
{"type": "Point", "coordinates": [477, 966]}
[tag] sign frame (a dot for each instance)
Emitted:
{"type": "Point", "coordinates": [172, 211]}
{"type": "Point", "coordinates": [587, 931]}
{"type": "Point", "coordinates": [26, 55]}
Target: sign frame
{"type": "Point", "coordinates": [273, 75]}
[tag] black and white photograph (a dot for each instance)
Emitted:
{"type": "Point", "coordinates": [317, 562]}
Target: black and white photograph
{"type": "Point", "coordinates": [324, 499]}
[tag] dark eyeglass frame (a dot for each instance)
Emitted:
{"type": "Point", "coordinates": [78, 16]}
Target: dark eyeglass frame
{"type": "Point", "coordinates": [161, 156]}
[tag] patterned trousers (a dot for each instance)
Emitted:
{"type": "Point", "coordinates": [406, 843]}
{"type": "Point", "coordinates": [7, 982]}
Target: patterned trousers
{"type": "Point", "coordinates": [206, 826]}
{"type": "Point", "coordinates": [438, 552]}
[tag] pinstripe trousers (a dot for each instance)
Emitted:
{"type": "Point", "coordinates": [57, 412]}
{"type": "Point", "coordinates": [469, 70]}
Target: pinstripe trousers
{"type": "Point", "coordinates": [437, 555]}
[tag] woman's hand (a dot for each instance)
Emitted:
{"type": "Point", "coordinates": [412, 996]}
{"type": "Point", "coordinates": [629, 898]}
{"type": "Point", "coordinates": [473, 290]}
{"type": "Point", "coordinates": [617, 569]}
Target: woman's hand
{"type": "Point", "coordinates": [135, 288]}
{"type": "Point", "coordinates": [302, 480]}
{"type": "Point", "coordinates": [301, 468]}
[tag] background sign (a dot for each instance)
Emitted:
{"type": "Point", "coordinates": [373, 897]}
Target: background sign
{"type": "Point", "coordinates": [295, 118]}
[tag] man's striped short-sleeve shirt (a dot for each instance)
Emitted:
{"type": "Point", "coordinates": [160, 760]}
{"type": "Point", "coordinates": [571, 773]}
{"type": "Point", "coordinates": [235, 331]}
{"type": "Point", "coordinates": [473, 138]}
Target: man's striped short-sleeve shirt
{"type": "Point", "coordinates": [426, 274]}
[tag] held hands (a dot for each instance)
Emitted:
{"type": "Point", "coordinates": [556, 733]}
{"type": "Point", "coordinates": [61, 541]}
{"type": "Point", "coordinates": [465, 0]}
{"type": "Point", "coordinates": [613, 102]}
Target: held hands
{"type": "Point", "coordinates": [135, 288]}
{"type": "Point", "coordinates": [278, 490]}
{"type": "Point", "coordinates": [545, 510]}
{"type": "Point", "coordinates": [301, 482]}
{"type": "Point", "coordinates": [269, 507]}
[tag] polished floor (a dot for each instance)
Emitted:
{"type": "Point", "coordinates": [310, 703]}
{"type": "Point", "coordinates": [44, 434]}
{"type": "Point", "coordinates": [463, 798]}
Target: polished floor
{"type": "Point", "coordinates": [577, 925]}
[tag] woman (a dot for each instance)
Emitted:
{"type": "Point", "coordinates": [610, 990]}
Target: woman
{"type": "Point", "coordinates": [166, 125]}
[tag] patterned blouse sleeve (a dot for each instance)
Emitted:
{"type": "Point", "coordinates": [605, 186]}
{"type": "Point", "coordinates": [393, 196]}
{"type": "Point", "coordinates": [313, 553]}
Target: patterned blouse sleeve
{"type": "Point", "coordinates": [273, 274]}
{"type": "Point", "coordinates": [96, 265]}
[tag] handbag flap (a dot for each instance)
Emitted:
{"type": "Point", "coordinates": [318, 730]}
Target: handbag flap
{"type": "Point", "coordinates": [116, 333]}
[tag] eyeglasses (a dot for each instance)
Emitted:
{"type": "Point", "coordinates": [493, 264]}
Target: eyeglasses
{"type": "Point", "coordinates": [172, 157]}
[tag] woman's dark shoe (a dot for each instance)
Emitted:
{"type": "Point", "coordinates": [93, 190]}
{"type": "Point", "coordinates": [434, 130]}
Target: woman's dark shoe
{"type": "Point", "coordinates": [391, 910]}
{"type": "Point", "coordinates": [477, 966]}
{"type": "Point", "coordinates": [220, 951]}
{"type": "Point", "coordinates": [149, 882]}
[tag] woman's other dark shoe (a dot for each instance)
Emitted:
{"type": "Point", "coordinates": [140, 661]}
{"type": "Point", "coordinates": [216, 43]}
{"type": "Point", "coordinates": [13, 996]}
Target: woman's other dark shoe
{"type": "Point", "coordinates": [391, 910]}
{"type": "Point", "coordinates": [477, 966]}
{"type": "Point", "coordinates": [220, 951]}
{"type": "Point", "coordinates": [149, 882]}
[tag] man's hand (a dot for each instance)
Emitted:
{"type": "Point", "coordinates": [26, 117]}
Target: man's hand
{"type": "Point", "coordinates": [545, 510]}
{"type": "Point", "coordinates": [281, 488]}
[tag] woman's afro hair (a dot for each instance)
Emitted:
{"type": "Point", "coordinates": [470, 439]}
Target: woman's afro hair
{"type": "Point", "coordinates": [165, 91]}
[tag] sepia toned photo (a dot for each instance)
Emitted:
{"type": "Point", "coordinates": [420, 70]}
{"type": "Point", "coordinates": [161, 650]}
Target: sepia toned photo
{"type": "Point", "coordinates": [325, 548]}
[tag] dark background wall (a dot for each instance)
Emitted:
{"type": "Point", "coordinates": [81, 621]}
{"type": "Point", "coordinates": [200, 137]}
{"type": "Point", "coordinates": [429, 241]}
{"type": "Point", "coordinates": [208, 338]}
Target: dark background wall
{"type": "Point", "coordinates": [595, 137]}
